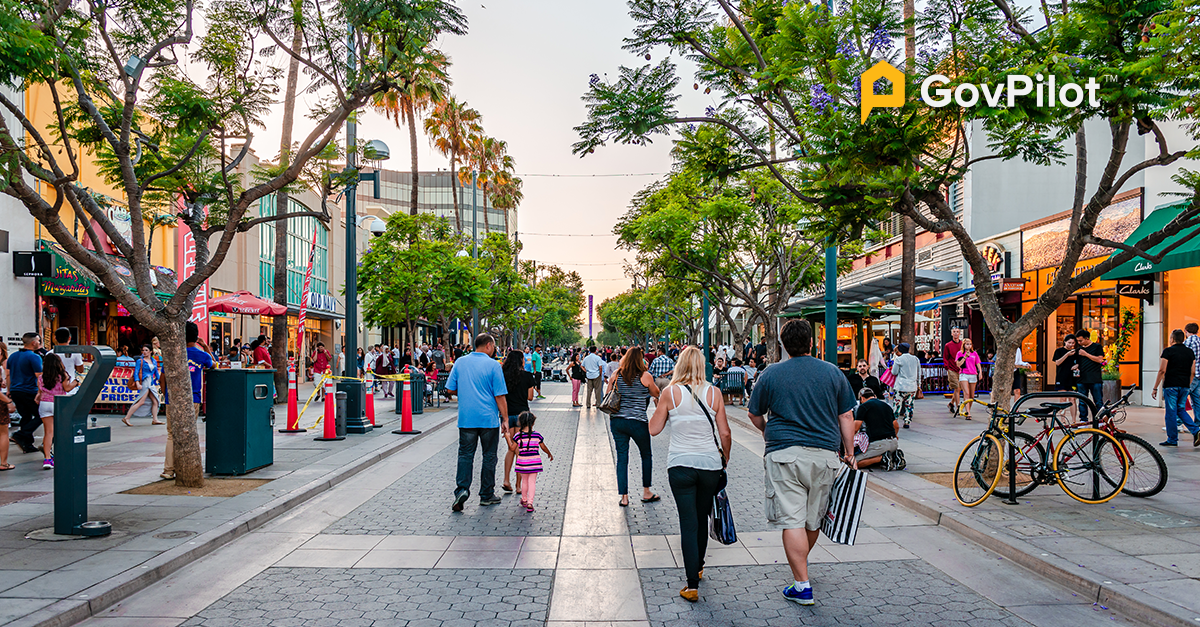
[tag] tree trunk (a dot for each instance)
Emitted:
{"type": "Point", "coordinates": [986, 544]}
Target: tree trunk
{"type": "Point", "coordinates": [410, 113]}
{"type": "Point", "coordinates": [908, 264]}
{"type": "Point", "coordinates": [181, 413]}
{"type": "Point", "coordinates": [1002, 369]}
{"type": "Point", "coordinates": [279, 329]}
{"type": "Point", "coordinates": [454, 191]}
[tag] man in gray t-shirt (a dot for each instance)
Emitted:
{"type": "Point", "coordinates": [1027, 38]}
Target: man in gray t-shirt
{"type": "Point", "coordinates": [809, 432]}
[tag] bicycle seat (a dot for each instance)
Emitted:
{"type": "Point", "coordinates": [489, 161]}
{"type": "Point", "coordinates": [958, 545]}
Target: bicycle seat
{"type": "Point", "coordinates": [1056, 406]}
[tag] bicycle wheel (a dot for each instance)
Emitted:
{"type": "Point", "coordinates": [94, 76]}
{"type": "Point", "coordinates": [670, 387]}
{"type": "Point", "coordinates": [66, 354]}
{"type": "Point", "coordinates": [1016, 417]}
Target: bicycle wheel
{"type": "Point", "coordinates": [1090, 466]}
{"type": "Point", "coordinates": [978, 470]}
{"type": "Point", "coordinates": [1031, 459]}
{"type": "Point", "coordinates": [1147, 470]}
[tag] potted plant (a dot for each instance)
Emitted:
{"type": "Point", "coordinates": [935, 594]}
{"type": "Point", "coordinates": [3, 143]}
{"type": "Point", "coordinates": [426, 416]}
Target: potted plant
{"type": "Point", "coordinates": [1115, 352]}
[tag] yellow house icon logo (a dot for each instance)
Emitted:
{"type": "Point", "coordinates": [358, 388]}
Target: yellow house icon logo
{"type": "Point", "coordinates": [870, 99]}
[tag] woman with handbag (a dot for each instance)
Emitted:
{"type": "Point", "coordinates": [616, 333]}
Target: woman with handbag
{"type": "Point", "coordinates": [634, 385]}
{"type": "Point", "coordinates": [144, 380]}
{"type": "Point", "coordinates": [696, 459]}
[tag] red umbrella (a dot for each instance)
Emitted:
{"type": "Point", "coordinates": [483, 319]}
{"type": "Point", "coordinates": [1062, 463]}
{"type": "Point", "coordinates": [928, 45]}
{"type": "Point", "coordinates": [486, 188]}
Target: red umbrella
{"type": "Point", "coordinates": [246, 304]}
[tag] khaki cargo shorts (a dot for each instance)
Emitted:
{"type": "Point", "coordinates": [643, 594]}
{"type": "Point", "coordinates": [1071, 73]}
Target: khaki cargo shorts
{"type": "Point", "coordinates": [952, 377]}
{"type": "Point", "coordinates": [799, 480]}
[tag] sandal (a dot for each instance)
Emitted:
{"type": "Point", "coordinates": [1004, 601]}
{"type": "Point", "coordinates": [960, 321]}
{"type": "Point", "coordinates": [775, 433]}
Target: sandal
{"type": "Point", "coordinates": [506, 488]}
{"type": "Point", "coordinates": [126, 421]}
{"type": "Point", "coordinates": [158, 422]}
{"type": "Point", "coordinates": [624, 502]}
{"type": "Point", "coordinates": [653, 498]}
{"type": "Point", "coordinates": [6, 467]}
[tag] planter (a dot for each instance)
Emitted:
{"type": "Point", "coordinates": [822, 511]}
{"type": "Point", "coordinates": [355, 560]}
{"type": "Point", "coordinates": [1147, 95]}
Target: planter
{"type": "Point", "coordinates": [1112, 390]}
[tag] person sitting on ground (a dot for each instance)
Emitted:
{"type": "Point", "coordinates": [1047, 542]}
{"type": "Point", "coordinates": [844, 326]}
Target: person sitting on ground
{"type": "Point", "coordinates": [882, 427]}
{"type": "Point", "coordinates": [862, 377]}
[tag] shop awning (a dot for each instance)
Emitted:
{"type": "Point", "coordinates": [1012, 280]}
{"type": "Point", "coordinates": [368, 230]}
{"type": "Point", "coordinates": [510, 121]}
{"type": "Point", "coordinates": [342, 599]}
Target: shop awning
{"type": "Point", "coordinates": [934, 303]}
{"type": "Point", "coordinates": [881, 288]}
{"type": "Point", "coordinates": [1186, 255]}
{"type": "Point", "coordinates": [70, 278]}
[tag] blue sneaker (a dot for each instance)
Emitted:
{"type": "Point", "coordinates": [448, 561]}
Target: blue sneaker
{"type": "Point", "coordinates": [803, 597]}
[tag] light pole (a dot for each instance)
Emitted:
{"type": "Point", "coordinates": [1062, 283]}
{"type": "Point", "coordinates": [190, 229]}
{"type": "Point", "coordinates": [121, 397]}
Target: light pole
{"type": "Point", "coordinates": [474, 247]}
{"type": "Point", "coordinates": [830, 302]}
{"type": "Point", "coordinates": [376, 151]}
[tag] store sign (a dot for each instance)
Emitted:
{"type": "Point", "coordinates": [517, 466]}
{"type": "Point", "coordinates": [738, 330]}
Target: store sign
{"type": "Point", "coordinates": [1044, 246]}
{"type": "Point", "coordinates": [33, 264]}
{"type": "Point", "coordinates": [322, 302]}
{"type": "Point", "coordinates": [117, 391]}
{"type": "Point", "coordinates": [1142, 289]}
{"type": "Point", "coordinates": [68, 281]}
{"type": "Point", "coordinates": [993, 254]}
{"type": "Point", "coordinates": [186, 262]}
{"type": "Point", "coordinates": [1011, 285]}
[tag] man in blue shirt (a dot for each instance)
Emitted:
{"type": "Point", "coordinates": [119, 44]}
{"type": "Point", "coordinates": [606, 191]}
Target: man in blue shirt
{"type": "Point", "coordinates": [537, 370]}
{"type": "Point", "coordinates": [804, 407]}
{"type": "Point", "coordinates": [593, 365]}
{"type": "Point", "coordinates": [478, 382]}
{"type": "Point", "coordinates": [25, 373]}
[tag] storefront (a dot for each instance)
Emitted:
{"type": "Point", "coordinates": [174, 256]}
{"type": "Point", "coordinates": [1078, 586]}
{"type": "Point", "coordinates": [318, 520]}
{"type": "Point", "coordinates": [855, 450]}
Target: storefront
{"type": "Point", "coordinates": [1097, 306]}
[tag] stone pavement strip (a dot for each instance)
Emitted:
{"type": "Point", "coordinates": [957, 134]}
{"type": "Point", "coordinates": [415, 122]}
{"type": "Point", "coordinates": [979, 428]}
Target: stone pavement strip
{"type": "Point", "coordinates": [591, 563]}
{"type": "Point", "coordinates": [61, 582]}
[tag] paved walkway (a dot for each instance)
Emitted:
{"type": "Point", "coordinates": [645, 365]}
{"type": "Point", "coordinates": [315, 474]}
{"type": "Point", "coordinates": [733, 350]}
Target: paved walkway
{"type": "Point", "coordinates": [1142, 549]}
{"type": "Point", "coordinates": [383, 548]}
{"type": "Point", "coordinates": [155, 535]}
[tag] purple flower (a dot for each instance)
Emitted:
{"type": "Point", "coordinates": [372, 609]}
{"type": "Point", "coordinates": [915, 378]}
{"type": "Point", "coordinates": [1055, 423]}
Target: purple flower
{"type": "Point", "coordinates": [846, 47]}
{"type": "Point", "coordinates": [881, 39]}
{"type": "Point", "coordinates": [692, 127]}
{"type": "Point", "coordinates": [593, 80]}
{"type": "Point", "coordinates": [710, 112]}
{"type": "Point", "coordinates": [821, 101]}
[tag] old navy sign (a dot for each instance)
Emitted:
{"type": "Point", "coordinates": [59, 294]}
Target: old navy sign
{"type": "Point", "coordinates": [322, 302]}
{"type": "Point", "coordinates": [1142, 289]}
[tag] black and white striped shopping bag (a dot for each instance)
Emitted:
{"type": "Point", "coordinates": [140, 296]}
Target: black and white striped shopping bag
{"type": "Point", "coordinates": [845, 506]}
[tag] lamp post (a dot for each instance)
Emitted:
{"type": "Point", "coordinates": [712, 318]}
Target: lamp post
{"type": "Point", "coordinates": [376, 150]}
{"type": "Point", "coordinates": [474, 247]}
{"type": "Point", "coordinates": [830, 302]}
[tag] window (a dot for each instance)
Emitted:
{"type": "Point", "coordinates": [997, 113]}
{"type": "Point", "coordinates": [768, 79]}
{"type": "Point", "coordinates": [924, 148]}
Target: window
{"type": "Point", "coordinates": [300, 240]}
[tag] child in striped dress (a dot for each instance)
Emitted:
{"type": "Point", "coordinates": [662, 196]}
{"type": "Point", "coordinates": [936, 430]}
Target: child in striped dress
{"type": "Point", "coordinates": [529, 461]}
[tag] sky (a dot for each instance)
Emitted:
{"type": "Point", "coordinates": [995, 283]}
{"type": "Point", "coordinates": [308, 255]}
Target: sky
{"type": "Point", "coordinates": [524, 65]}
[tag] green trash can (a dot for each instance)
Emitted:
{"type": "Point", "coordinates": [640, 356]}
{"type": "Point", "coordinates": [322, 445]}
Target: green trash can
{"type": "Point", "coordinates": [418, 392]}
{"type": "Point", "coordinates": [238, 431]}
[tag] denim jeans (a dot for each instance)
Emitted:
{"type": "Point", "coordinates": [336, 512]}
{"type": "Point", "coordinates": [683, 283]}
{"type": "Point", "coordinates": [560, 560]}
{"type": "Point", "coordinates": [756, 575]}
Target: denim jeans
{"type": "Point", "coordinates": [487, 439]}
{"type": "Point", "coordinates": [694, 490]}
{"type": "Point", "coordinates": [1176, 402]}
{"type": "Point", "coordinates": [1096, 391]}
{"type": "Point", "coordinates": [1194, 394]}
{"type": "Point", "coordinates": [623, 429]}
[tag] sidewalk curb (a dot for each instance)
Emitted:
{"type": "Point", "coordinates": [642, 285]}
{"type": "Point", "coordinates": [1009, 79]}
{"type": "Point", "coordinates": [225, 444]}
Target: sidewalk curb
{"type": "Point", "coordinates": [93, 600]}
{"type": "Point", "coordinates": [1090, 585]}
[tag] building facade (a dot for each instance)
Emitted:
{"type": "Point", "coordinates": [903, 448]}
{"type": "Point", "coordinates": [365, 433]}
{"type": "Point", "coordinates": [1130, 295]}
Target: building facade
{"type": "Point", "coordinates": [19, 307]}
{"type": "Point", "coordinates": [434, 196]}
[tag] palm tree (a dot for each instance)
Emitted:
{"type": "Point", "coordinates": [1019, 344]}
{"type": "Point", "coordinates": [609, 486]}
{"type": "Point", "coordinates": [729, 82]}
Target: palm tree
{"type": "Point", "coordinates": [507, 193]}
{"type": "Point", "coordinates": [450, 127]}
{"type": "Point", "coordinates": [427, 84]}
{"type": "Point", "coordinates": [489, 158]}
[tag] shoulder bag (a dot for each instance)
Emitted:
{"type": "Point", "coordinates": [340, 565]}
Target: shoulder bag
{"type": "Point", "coordinates": [720, 521]}
{"type": "Point", "coordinates": [612, 401]}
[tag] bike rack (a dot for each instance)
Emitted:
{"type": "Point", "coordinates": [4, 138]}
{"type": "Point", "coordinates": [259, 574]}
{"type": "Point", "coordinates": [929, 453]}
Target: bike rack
{"type": "Point", "coordinates": [1012, 427]}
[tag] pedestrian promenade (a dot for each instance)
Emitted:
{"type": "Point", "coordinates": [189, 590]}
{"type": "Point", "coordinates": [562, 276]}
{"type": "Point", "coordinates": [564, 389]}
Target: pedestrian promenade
{"type": "Point", "coordinates": [384, 548]}
{"type": "Point", "coordinates": [1139, 555]}
{"type": "Point", "coordinates": [154, 535]}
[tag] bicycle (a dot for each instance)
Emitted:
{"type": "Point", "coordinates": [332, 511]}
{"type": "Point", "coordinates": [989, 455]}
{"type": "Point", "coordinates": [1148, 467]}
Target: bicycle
{"type": "Point", "coordinates": [1147, 468]}
{"type": "Point", "coordinates": [1084, 457]}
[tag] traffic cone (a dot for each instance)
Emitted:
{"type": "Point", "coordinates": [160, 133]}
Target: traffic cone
{"type": "Point", "coordinates": [406, 425]}
{"type": "Point", "coordinates": [330, 414]}
{"type": "Point", "coordinates": [293, 415]}
{"type": "Point", "coordinates": [370, 383]}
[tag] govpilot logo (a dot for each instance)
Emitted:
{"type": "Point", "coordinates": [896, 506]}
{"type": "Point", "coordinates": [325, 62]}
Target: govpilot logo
{"type": "Point", "coordinates": [1046, 92]}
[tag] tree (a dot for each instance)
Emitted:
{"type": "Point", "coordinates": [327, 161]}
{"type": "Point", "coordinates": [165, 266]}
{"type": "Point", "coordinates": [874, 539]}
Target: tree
{"type": "Point", "coordinates": [450, 127]}
{"type": "Point", "coordinates": [113, 73]}
{"type": "Point", "coordinates": [796, 66]}
{"type": "Point", "coordinates": [428, 83]}
{"type": "Point", "coordinates": [492, 165]}
{"type": "Point", "coordinates": [413, 272]}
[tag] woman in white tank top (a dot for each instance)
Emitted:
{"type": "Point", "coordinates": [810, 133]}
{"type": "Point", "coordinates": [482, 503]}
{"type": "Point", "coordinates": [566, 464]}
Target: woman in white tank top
{"type": "Point", "coordinates": [696, 412]}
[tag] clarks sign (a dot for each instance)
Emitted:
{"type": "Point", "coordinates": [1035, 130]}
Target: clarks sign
{"type": "Point", "coordinates": [1142, 289]}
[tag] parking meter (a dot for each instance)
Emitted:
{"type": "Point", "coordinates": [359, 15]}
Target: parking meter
{"type": "Point", "coordinates": [71, 439]}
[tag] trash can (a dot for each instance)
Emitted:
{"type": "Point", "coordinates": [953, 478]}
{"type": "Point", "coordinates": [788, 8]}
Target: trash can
{"type": "Point", "coordinates": [238, 432]}
{"type": "Point", "coordinates": [418, 392]}
{"type": "Point", "coordinates": [339, 421]}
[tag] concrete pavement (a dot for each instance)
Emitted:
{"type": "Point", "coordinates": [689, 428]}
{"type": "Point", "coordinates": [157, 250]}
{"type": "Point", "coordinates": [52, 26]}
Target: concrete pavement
{"type": "Point", "coordinates": [383, 548]}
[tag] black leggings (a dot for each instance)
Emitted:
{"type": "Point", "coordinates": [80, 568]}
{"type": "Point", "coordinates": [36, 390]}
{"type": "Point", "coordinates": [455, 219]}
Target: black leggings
{"type": "Point", "coordinates": [694, 490]}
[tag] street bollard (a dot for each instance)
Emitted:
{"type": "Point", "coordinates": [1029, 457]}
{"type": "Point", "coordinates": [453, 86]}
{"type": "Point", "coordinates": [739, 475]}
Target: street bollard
{"type": "Point", "coordinates": [293, 421]}
{"type": "Point", "coordinates": [406, 421]}
{"type": "Point", "coordinates": [71, 439]}
{"type": "Point", "coordinates": [371, 398]}
{"type": "Point", "coordinates": [330, 419]}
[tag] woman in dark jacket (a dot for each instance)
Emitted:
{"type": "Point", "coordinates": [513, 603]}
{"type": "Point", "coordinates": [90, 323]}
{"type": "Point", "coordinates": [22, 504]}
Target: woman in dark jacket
{"type": "Point", "coordinates": [520, 392]}
{"type": "Point", "coordinates": [630, 421]}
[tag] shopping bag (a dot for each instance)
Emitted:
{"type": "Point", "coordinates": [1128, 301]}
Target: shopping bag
{"type": "Point", "coordinates": [845, 506]}
{"type": "Point", "coordinates": [887, 378]}
{"type": "Point", "coordinates": [720, 521]}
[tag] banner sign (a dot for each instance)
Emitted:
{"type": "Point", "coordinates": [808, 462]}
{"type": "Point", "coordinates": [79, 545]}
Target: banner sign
{"type": "Point", "coordinates": [186, 262]}
{"type": "Point", "coordinates": [116, 392]}
{"type": "Point", "coordinates": [589, 315]}
{"type": "Point", "coordinates": [305, 295]}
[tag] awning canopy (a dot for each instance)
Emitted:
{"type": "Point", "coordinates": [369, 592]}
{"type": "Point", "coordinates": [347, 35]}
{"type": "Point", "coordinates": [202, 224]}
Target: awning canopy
{"type": "Point", "coordinates": [844, 312]}
{"type": "Point", "coordinates": [880, 288]}
{"type": "Point", "coordinates": [1186, 255]}
{"type": "Point", "coordinates": [934, 303]}
{"type": "Point", "coordinates": [246, 304]}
